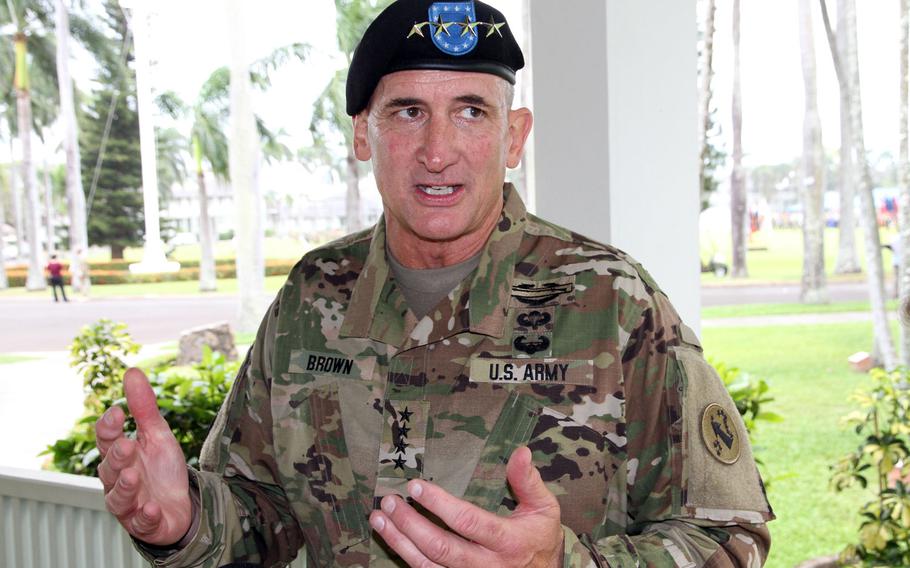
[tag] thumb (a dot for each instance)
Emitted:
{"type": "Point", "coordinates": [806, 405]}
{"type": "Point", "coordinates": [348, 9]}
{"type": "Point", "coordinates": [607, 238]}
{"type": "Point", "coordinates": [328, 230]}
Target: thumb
{"type": "Point", "coordinates": [527, 485]}
{"type": "Point", "coordinates": [140, 398]}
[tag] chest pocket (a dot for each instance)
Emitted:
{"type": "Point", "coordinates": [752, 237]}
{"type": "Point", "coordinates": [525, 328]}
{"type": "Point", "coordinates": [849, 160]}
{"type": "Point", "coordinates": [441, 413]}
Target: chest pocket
{"type": "Point", "coordinates": [323, 415]}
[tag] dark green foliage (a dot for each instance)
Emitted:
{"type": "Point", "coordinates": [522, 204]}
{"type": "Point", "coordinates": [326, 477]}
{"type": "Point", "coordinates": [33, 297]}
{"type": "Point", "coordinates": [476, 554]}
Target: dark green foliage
{"type": "Point", "coordinates": [880, 462]}
{"type": "Point", "coordinates": [189, 397]}
{"type": "Point", "coordinates": [749, 394]}
{"type": "Point", "coordinates": [115, 215]}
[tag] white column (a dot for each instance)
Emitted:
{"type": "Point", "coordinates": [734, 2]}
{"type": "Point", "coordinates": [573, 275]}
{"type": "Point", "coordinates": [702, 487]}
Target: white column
{"type": "Point", "coordinates": [153, 259]}
{"type": "Point", "coordinates": [616, 114]}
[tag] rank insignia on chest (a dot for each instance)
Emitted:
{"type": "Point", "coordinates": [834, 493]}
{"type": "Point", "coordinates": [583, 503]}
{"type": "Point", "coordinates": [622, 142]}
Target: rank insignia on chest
{"type": "Point", "coordinates": [404, 438]}
{"type": "Point", "coordinates": [720, 434]}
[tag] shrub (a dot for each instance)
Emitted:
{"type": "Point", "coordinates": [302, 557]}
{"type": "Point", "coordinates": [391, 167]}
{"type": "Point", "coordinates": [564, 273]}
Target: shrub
{"type": "Point", "coordinates": [880, 461]}
{"type": "Point", "coordinates": [749, 394]}
{"type": "Point", "coordinates": [189, 397]}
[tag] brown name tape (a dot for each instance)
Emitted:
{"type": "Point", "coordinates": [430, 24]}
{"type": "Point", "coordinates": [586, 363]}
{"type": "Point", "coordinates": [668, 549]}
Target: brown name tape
{"type": "Point", "coordinates": [517, 371]}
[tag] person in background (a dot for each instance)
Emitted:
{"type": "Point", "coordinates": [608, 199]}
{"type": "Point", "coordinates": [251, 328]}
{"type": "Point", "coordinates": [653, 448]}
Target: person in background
{"type": "Point", "coordinates": [55, 270]}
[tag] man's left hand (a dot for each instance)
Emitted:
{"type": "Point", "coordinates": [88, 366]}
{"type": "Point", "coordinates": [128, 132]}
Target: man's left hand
{"type": "Point", "coordinates": [532, 536]}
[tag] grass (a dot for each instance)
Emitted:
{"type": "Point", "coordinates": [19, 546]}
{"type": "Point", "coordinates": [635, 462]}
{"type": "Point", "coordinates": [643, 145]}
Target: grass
{"type": "Point", "coordinates": [811, 382]}
{"type": "Point", "coordinates": [781, 259]}
{"type": "Point", "coordinates": [7, 359]}
{"type": "Point", "coordinates": [750, 310]}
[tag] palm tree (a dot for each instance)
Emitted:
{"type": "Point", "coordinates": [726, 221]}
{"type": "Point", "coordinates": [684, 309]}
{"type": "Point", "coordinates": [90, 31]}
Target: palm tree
{"type": "Point", "coordinates": [904, 161]}
{"type": "Point", "coordinates": [706, 73]}
{"type": "Point", "coordinates": [737, 180]}
{"type": "Point", "coordinates": [847, 261]}
{"type": "Point", "coordinates": [329, 116]}
{"type": "Point", "coordinates": [25, 17]}
{"type": "Point", "coordinates": [812, 171]}
{"type": "Point", "coordinates": [208, 143]}
{"type": "Point", "coordinates": [848, 77]}
{"type": "Point", "coordinates": [78, 229]}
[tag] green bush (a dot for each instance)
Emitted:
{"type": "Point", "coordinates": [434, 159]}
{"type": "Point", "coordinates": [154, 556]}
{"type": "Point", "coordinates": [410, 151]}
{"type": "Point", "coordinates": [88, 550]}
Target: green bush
{"type": "Point", "coordinates": [750, 395]}
{"type": "Point", "coordinates": [189, 397]}
{"type": "Point", "coordinates": [880, 461]}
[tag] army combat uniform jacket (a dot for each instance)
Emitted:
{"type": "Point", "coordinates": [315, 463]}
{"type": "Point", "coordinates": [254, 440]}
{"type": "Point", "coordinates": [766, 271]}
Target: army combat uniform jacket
{"type": "Point", "coordinates": [555, 342]}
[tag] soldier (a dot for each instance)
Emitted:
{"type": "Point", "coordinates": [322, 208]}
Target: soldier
{"type": "Point", "coordinates": [464, 384]}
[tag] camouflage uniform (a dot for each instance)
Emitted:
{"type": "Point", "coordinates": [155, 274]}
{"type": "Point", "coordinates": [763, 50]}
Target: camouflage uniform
{"type": "Point", "coordinates": [556, 342]}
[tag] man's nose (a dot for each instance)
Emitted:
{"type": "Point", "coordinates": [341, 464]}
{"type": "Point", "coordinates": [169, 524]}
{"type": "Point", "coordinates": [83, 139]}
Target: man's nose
{"type": "Point", "coordinates": [438, 150]}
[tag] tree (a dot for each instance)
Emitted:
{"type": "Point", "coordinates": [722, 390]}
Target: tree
{"type": "Point", "coordinates": [904, 161]}
{"type": "Point", "coordinates": [848, 76]}
{"type": "Point", "coordinates": [25, 17]}
{"type": "Point", "coordinates": [111, 168]}
{"type": "Point", "coordinates": [847, 261]}
{"type": "Point", "coordinates": [329, 116]}
{"type": "Point", "coordinates": [208, 144]}
{"type": "Point", "coordinates": [75, 194]}
{"type": "Point", "coordinates": [738, 181]}
{"type": "Point", "coordinates": [710, 157]}
{"type": "Point", "coordinates": [812, 171]}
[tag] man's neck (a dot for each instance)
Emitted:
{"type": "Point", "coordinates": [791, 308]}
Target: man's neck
{"type": "Point", "coordinates": [414, 252]}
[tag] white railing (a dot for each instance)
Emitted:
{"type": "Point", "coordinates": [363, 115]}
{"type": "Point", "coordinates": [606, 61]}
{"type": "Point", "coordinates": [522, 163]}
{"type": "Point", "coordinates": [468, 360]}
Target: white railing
{"type": "Point", "coordinates": [58, 520]}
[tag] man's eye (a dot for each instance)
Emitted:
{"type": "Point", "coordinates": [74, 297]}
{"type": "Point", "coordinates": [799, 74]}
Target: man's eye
{"type": "Point", "coordinates": [472, 112]}
{"type": "Point", "coordinates": [410, 112]}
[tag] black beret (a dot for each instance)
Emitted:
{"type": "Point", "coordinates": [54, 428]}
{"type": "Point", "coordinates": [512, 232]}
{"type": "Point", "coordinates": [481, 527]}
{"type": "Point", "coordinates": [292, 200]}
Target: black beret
{"type": "Point", "coordinates": [423, 34]}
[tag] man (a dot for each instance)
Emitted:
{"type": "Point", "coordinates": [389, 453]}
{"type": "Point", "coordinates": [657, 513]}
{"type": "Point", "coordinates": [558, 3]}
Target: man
{"type": "Point", "coordinates": [55, 275]}
{"type": "Point", "coordinates": [463, 385]}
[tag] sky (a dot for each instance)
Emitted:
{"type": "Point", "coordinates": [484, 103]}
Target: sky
{"type": "Point", "coordinates": [189, 41]}
{"type": "Point", "coordinates": [772, 81]}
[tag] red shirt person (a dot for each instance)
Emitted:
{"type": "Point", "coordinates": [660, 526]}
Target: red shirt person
{"type": "Point", "coordinates": [55, 270]}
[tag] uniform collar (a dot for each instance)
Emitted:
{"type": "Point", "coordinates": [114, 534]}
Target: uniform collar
{"type": "Point", "coordinates": [377, 309]}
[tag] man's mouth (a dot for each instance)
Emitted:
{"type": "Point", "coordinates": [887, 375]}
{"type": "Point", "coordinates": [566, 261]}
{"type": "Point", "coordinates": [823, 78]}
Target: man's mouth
{"type": "Point", "coordinates": [438, 190]}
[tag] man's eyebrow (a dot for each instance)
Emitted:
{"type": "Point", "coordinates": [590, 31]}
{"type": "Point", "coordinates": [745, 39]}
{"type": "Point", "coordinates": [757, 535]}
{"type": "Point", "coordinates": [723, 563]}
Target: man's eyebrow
{"type": "Point", "coordinates": [475, 100]}
{"type": "Point", "coordinates": [402, 102]}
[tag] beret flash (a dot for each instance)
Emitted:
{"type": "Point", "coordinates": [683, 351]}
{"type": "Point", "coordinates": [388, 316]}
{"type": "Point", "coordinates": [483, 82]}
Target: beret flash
{"type": "Point", "coordinates": [423, 34]}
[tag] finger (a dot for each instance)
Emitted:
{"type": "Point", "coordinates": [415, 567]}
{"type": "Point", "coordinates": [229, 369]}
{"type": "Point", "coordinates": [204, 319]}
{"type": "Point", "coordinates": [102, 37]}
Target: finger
{"type": "Point", "coordinates": [398, 542]}
{"type": "Point", "coordinates": [109, 428]}
{"type": "Point", "coordinates": [146, 521]}
{"type": "Point", "coordinates": [121, 455]}
{"type": "Point", "coordinates": [465, 519]}
{"type": "Point", "coordinates": [527, 485]}
{"type": "Point", "coordinates": [437, 544]}
{"type": "Point", "coordinates": [121, 500]}
{"type": "Point", "coordinates": [142, 403]}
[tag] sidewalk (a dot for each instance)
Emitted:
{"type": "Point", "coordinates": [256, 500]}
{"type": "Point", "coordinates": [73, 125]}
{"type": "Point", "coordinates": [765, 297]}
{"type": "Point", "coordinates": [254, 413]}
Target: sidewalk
{"type": "Point", "coordinates": [40, 401]}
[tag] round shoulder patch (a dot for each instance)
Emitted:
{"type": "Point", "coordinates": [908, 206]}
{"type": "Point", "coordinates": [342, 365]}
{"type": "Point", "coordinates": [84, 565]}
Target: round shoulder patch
{"type": "Point", "coordinates": [720, 434]}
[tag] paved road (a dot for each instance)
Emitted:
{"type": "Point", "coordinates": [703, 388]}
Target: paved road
{"type": "Point", "coordinates": [33, 324]}
{"type": "Point", "coordinates": [777, 294]}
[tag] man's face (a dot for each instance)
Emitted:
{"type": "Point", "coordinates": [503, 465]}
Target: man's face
{"type": "Point", "coordinates": [440, 142]}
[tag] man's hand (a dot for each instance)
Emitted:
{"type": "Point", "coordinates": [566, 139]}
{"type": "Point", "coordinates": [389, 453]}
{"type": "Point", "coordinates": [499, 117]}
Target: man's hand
{"type": "Point", "coordinates": [145, 480]}
{"type": "Point", "coordinates": [532, 536]}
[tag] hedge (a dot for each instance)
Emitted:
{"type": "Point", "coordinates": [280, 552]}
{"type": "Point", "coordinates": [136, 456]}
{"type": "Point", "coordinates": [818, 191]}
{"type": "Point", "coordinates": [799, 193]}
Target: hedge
{"type": "Point", "coordinates": [188, 271]}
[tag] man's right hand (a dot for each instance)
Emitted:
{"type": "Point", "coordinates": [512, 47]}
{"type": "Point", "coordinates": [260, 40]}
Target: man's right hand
{"type": "Point", "coordinates": [146, 484]}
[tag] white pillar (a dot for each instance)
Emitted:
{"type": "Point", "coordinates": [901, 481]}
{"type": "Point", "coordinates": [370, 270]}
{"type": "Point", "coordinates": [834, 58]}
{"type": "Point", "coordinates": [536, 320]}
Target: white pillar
{"type": "Point", "coordinates": [153, 259]}
{"type": "Point", "coordinates": [616, 113]}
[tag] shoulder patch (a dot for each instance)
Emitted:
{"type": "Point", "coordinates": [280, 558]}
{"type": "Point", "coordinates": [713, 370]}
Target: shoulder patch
{"type": "Point", "coordinates": [720, 434]}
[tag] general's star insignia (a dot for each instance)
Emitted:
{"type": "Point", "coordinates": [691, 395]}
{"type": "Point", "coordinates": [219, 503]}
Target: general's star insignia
{"type": "Point", "coordinates": [469, 27]}
{"type": "Point", "coordinates": [406, 414]}
{"type": "Point", "coordinates": [442, 26]}
{"type": "Point", "coordinates": [399, 462]}
{"type": "Point", "coordinates": [720, 434]}
{"type": "Point", "coordinates": [418, 29]}
{"type": "Point", "coordinates": [494, 27]}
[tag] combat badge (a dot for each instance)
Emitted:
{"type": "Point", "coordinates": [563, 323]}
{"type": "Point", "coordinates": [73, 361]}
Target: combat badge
{"type": "Point", "coordinates": [719, 432]}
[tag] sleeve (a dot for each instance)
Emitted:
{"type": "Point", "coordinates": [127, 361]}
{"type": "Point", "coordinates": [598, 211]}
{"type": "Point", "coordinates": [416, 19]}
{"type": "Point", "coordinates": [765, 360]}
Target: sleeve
{"type": "Point", "coordinates": [244, 513]}
{"type": "Point", "coordinates": [694, 494]}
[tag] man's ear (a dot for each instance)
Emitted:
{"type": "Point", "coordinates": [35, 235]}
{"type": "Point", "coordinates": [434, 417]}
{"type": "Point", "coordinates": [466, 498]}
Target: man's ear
{"type": "Point", "coordinates": [520, 121]}
{"type": "Point", "coordinates": [361, 142]}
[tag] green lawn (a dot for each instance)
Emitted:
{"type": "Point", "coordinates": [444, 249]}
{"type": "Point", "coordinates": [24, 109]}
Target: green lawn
{"type": "Point", "coordinates": [782, 259]}
{"type": "Point", "coordinates": [750, 310]}
{"type": "Point", "coordinates": [7, 359]}
{"type": "Point", "coordinates": [810, 380]}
